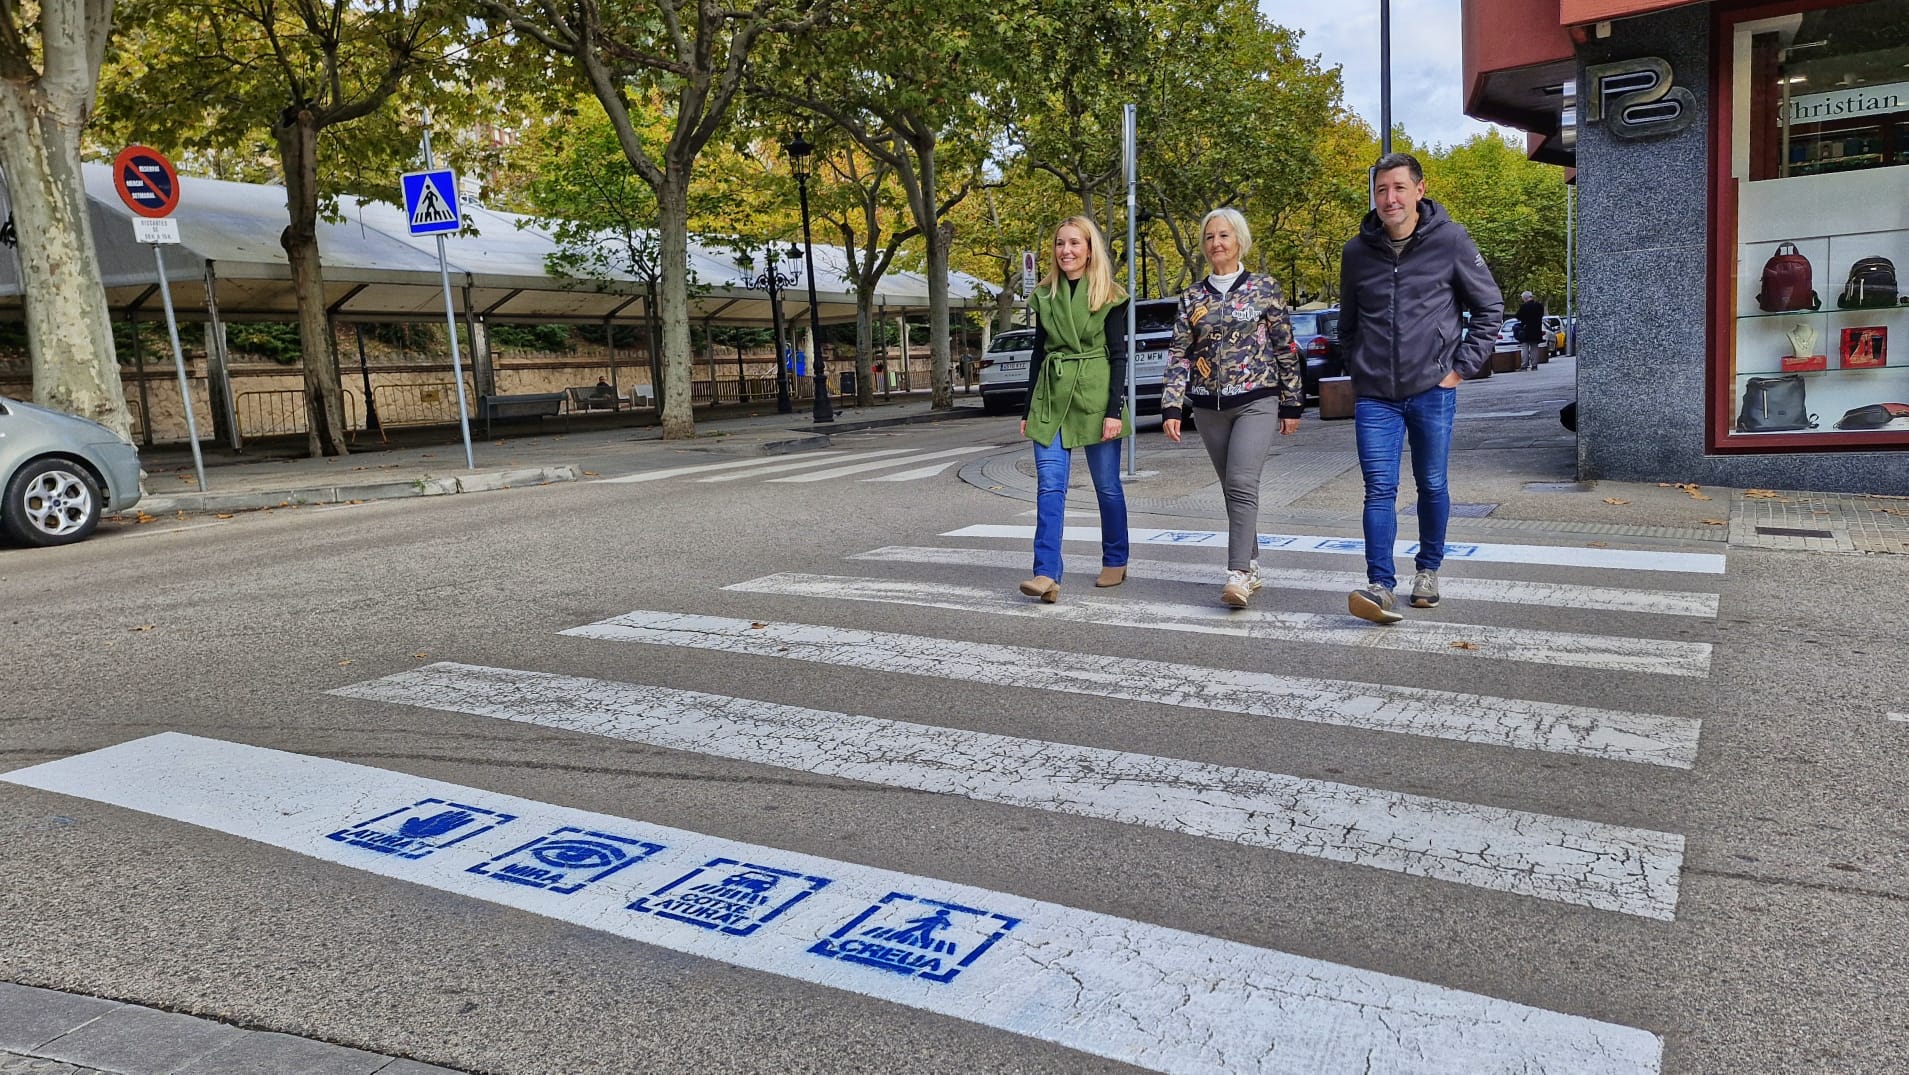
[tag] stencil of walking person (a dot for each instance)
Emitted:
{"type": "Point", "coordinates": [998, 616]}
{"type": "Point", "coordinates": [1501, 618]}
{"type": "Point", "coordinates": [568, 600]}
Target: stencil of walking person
{"type": "Point", "coordinates": [920, 932]}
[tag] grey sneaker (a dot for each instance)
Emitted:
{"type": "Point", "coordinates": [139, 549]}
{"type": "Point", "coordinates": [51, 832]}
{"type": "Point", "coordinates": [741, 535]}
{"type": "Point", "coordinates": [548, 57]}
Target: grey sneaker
{"type": "Point", "coordinates": [1425, 589]}
{"type": "Point", "coordinates": [1375, 603]}
{"type": "Point", "coordinates": [1240, 588]}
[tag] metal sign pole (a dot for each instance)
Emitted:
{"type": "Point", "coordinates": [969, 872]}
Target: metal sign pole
{"type": "Point", "coordinates": [1127, 151]}
{"type": "Point", "coordinates": [179, 363]}
{"type": "Point", "coordinates": [450, 321]}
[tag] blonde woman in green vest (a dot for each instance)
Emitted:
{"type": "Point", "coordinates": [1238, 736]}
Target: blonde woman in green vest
{"type": "Point", "coordinates": [1076, 398]}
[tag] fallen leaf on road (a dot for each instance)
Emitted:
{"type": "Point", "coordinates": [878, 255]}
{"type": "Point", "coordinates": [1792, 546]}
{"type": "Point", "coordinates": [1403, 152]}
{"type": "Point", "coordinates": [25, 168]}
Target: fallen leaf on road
{"type": "Point", "coordinates": [187, 478]}
{"type": "Point", "coordinates": [1696, 491]}
{"type": "Point", "coordinates": [223, 515]}
{"type": "Point", "coordinates": [1615, 500]}
{"type": "Point", "coordinates": [343, 663]}
{"type": "Point", "coordinates": [1462, 644]}
{"type": "Point", "coordinates": [420, 655]}
{"type": "Point", "coordinates": [757, 626]}
{"type": "Point", "coordinates": [1716, 522]}
{"type": "Point", "coordinates": [1762, 494]}
{"type": "Point", "coordinates": [1598, 544]}
{"type": "Point", "coordinates": [144, 627]}
{"type": "Point", "coordinates": [1892, 511]}
{"type": "Point", "coordinates": [591, 474]}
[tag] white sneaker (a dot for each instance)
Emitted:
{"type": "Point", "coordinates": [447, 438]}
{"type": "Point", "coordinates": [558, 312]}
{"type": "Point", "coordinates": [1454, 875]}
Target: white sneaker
{"type": "Point", "coordinates": [1239, 589]}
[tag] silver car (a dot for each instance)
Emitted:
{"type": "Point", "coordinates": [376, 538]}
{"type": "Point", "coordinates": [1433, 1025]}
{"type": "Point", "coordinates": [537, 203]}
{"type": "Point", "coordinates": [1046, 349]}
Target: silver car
{"type": "Point", "coordinates": [59, 474]}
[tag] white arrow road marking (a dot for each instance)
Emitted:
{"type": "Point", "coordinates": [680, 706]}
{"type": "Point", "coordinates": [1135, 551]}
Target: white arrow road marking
{"type": "Point", "coordinates": [1137, 993]}
{"type": "Point", "coordinates": [1703, 563]}
{"type": "Point", "coordinates": [1609, 653]}
{"type": "Point", "coordinates": [858, 468]}
{"type": "Point", "coordinates": [703, 468]}
{"type": "Point", "coordinates": [1504, 591]}
{"type": "Point", "coordinates": [805, 463]}
{"type": "Point", "coordinates": [1609, 867]}
{"type": "Point", "coordinates": [1611, 734]}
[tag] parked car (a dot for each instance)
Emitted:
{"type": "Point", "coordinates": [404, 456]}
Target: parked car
{"type": "Point", "coordinates": [1003, 373]}
{"type": "Point", "coordinates": [59, 474]}
{"type": "Point", "coordinates": [1316, 335]}
{"type": "Point", "coordinates": [1554, 334]}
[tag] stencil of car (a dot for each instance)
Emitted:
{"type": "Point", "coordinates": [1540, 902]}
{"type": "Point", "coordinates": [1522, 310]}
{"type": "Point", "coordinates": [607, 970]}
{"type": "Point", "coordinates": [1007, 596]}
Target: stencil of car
{"type": "Point", "coordinates": [753, 880]}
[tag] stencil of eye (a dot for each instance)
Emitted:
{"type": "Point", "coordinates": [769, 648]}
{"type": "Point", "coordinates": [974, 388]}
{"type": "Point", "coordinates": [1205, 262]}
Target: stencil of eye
{"type": "Point", "coordinates": [423, 828]}
{"type": "Point", "coordinates": [578, 854]}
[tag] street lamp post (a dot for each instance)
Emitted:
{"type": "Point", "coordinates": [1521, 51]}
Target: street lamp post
{"type": "Point", "coordinates": [783, 405]}
{"type": "Point", "coordinates": [799, 150]}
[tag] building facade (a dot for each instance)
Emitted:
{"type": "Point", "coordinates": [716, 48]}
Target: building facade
{"type": "Point", "coordinates": [1743, 193]}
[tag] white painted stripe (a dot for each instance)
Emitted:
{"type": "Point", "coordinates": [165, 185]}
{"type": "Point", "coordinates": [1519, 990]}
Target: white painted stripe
{"type": "Point", "coordinates": [1504, 591]}
{"type": "Point", "coordinates": [1605, 652]}
{"type": "Point", "coordinates": [1103, 985]}
{"type": "Point", "coordinates": [842, 472]}
{"type": "Point", "coordinates": [1703, 563]}
{"type": "Point", "coordinates": [1899, 716]}
{"type": "Point", "coordinates": [701, 468]}
{"type": "Point", "coordinates": [808, 461]}
{"type": "Point", "coordinates": [1610, 734]}
{"type": "Point", "coordinates": [1499, 414]}
{"type": "Point", "coordinates": [1609, 867]}
{"type": "Point", "coordinates": [917, 474]}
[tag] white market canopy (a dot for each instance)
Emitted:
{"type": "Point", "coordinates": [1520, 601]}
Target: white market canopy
{"type": "Point", "coordinates": [375, 270]}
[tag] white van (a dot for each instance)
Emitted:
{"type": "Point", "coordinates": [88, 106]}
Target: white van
{"type": "Point", "coordinates": [1004, 367]}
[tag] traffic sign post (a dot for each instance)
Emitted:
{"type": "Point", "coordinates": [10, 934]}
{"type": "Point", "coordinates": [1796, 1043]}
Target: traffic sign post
{"type": "Point", "coordinates": [149, 186]}
{"type": "Point", "coordinates": [430, 207]}
{"type": "Point", "coordinates": [1028, 278]}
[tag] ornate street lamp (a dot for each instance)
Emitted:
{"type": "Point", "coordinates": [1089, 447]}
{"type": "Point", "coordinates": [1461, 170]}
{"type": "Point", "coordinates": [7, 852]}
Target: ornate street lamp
{"type": "Point", "coordinates": [799, 150]}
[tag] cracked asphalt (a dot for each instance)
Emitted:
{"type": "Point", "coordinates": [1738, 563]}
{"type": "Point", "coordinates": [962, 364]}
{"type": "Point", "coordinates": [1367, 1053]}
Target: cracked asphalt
{"type": "Point", "coordinates": [1786, 952]}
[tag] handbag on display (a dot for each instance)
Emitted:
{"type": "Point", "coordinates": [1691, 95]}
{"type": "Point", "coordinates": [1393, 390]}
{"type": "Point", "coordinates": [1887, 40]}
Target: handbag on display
{"type": "Point", "coordinates": [1787, 282]}
{"type": "Point", "coordinates": [1873, 416]}
{"type": "Point", "coordinates": [1773, 405]}
{"type": "Point", "coordinates": [1871, 285]}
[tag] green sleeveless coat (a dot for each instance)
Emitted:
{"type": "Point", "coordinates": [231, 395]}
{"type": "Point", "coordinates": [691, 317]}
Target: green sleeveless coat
{"type": "Point", "coordinates": [1070, 398]}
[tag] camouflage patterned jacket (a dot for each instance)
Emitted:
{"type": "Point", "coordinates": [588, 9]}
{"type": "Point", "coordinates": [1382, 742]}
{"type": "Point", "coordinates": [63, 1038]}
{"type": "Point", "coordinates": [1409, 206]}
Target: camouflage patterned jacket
{"type": "Point", "coordinates": [1231, 349]}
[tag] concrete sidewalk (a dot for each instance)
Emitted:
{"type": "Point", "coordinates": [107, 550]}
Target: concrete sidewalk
{"type": "Point", "coordinates": [46, 1032]}
{"type": "Point", "coordinates": [429, 462]}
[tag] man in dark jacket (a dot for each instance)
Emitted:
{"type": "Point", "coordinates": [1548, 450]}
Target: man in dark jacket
{"type": "Point", "coordinates": [1530, 331]}
{"type": "Point", "coordinates": [1402, 285]}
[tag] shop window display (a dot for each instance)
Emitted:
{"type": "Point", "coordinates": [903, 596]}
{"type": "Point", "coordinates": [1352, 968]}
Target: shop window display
{"type": "Point", "coordinates": [1819, 158]}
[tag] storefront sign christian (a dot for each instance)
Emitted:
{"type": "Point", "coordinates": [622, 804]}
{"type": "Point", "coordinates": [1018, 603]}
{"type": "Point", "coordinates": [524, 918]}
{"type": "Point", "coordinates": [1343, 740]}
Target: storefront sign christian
{"type": "Point", "coordinates": [1848, 103]}
{"type": "Point", "coordinates": [1636, 98]}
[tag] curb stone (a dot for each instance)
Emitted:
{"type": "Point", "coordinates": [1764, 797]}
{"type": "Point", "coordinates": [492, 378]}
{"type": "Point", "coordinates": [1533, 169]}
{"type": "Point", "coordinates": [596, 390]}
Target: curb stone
{"type": "Point", "coordinates": [479, 482]}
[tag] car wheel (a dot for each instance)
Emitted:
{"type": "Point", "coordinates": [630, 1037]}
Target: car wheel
{"type": "Point", "coordinates": [51, 502]}
{"type": "Point", "coordinates": [993, 404]}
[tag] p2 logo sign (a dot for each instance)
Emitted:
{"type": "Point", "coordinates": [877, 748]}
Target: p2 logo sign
{"type": "Point", "coordinates": [1636, 98]}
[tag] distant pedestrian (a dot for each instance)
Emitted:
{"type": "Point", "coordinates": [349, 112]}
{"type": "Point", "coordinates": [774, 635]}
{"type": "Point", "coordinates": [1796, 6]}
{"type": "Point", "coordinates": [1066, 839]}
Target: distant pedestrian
{"type": "Point", "coordinates": [1530, 331]}
{"type": "Point", "coordinates": [1232, 358]}
{"type": "Point", "coordinates": [1074, 400]}
{"type": "Point", "coordinates": [1402, 285]}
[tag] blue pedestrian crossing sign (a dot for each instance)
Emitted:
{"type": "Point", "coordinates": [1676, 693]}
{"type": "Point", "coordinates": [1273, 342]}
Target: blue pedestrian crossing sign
{"type": "Point", "coordinates": [430, 202]}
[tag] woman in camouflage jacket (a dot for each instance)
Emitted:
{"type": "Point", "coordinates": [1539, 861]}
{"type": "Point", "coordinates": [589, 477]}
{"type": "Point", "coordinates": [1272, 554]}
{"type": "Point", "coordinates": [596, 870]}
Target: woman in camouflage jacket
{"type": "Point", "coordinates": [1232, 358]}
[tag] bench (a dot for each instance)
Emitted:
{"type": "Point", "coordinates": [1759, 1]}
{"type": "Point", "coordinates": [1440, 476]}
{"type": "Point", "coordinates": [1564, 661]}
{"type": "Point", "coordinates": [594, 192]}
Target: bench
{"type": "Point", "coordinates": [526, 405]}
{"type": "Point", "coordinates": [589, 398]}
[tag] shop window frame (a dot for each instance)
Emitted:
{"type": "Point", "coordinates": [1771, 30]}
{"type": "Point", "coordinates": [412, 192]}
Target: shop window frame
{"type": "Point", "coordinates": [1720, 436]}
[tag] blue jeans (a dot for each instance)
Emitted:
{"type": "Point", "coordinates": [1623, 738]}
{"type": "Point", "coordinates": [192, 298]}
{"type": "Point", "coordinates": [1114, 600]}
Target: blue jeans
{"type": "Point", "coordinates": [1383, 426]}
{"type": "Point", "coordinates": [1051, 465]}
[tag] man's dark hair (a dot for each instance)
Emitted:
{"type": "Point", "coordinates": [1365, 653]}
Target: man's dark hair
{"type": "Point", "coordinates": [1400, 160]}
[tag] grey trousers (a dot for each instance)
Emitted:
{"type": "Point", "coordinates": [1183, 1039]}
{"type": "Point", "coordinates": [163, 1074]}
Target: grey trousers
{"type": "Point", "coordinates": [1238, 442]}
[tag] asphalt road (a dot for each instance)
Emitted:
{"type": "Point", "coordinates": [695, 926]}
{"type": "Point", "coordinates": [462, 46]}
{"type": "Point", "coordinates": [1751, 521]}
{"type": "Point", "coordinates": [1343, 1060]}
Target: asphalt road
{"type": "Point", "coordinates": [1755, 921]}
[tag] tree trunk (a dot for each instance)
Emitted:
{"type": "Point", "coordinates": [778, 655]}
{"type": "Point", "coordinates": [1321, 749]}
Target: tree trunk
{"type": "Point", "coordinates": [865, 342]}
{"type": "Point", "coordinates": [672, 228]}
{"type": "Point", "coordinates": [936, 242]}
{"type": "Point", "coordinates": [297, 135]}
{"type": "Point", "coordinates": [69, 329]}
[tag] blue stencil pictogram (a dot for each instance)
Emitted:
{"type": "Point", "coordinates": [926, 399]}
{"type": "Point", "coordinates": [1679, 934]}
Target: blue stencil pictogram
{"type": "Point", "coordinates": [566, 860]}
{"type": "Point", "coordinates": [412, 832]}
{"type": "Point", "coordinates": [919, 937]}
{"type": "Point", "coordinates": [730, 896]}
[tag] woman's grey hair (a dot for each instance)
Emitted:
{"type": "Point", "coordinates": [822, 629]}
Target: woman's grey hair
{"type": "Point", "coordinates": [1238, 223]}
{"type": "Point", "coordinates": [1527, 296]}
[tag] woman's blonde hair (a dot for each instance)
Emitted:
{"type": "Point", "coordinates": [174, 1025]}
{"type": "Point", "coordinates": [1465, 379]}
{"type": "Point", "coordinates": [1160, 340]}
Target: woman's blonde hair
{"type": "Point", "coordinates": [1241, 232]}
{"type": "Point", "coordinates": [1102, 292]}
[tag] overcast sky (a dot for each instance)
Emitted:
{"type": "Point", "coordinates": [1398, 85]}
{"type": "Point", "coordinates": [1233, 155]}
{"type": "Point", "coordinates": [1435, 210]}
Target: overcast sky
{"type": "Point", "coordinates": [1427, 68]}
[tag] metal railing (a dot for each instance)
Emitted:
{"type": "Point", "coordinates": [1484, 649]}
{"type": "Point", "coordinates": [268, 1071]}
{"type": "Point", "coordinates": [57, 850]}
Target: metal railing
{"type": "Point", "coordinates": [281, 412]}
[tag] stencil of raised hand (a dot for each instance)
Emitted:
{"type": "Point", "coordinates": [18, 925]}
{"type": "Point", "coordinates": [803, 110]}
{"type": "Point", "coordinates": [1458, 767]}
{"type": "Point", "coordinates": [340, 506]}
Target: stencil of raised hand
{"type": "Point", "coordinates": [423, 828]}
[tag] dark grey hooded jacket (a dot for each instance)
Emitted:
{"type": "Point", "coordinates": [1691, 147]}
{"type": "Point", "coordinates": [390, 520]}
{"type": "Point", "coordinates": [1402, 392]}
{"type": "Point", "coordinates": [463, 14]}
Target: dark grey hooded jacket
{"type": "Point", "coordinates": [1399, 324]}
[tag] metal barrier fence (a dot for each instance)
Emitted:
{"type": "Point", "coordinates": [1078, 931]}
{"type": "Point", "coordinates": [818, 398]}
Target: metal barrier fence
{"type": "Point", "coordinates": [281, 412]}
{"type": "Point", "coordinates": [419, 403]}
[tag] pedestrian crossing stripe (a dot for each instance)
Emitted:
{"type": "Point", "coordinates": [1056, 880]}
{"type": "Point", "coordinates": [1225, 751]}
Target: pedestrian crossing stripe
{"type": "Point", "coordinates": [704, 468]}
{"type": "Point", "coordinates": [1505, 591]}
{"type": "Point", "coordinates": [1601, 652]}
{"type": "Point", "coordinates": [859, 468]}
{"type": "Point", "coordinates": [1704, 563]}
{"type": "Point", "coordinates": [1103, 985]}
{"type": "Point", "coordinates": [804, 463]}
{"type": "Point", "coordinates": [1519, 724]}
{"type": "Point", "coordinates": [1609, 867]}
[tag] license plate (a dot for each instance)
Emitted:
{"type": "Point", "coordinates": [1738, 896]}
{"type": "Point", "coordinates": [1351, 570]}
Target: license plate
{"type": "Point", "coordinates": [1013, 367]}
